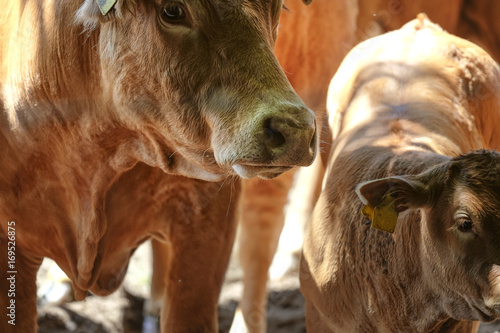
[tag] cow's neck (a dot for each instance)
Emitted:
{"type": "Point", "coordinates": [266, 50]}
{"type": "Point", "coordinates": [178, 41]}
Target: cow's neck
{"type": "Point", "coordinates": [393, 287]}
{"type": "Point", "coordinates": [62, 148]}
{"type": "Point", "coordinates": [62, 145]}
{"type": "Point", "coordinates": [56, 120]}
{"type": "Point", "coordinates": [395, 259]}
{"type": "Point", "coordinates": [54, 180]}
{"type": "Point", "coordinates": [51, 66]}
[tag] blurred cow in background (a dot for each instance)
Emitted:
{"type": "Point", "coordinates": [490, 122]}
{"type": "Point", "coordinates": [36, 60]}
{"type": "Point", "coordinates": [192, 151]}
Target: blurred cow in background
{"type": "Point", "coordinates": [311, 45]}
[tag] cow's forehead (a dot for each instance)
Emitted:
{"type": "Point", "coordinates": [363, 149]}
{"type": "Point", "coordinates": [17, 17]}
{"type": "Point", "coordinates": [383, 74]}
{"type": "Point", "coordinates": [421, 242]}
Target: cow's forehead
{"type": "Point", "coordinates": [480, 166]}
{"type": "Point", "coordinates": [472, 201]}
{"type": "Point", "coordinates": [477, 180]}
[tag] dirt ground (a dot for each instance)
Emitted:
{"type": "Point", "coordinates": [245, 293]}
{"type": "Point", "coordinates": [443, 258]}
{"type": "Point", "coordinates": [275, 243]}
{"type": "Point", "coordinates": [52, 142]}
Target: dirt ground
{"type": "Point", "coordinates": [121, 312]}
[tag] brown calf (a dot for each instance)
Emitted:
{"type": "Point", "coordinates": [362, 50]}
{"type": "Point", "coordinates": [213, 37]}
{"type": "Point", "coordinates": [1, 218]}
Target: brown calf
{"type": "Point", "coordinates": [404, 107]}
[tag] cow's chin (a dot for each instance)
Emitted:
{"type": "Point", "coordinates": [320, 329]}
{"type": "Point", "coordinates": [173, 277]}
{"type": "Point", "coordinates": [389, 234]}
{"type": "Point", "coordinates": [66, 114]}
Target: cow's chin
{"type": "Point", "coordinates": [212, 172]}
{"type": "Point", "coordinates": [261, 171]}
{"type": "Point", "coordinates": [179, 165]}
{"type": "Point", "coordinates": [206, 176]}
{"type": "Point", "coordinates": [202, 174]}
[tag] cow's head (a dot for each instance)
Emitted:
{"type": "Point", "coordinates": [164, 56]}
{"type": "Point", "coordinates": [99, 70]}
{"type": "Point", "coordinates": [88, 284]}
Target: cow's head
{"type": "Point", "coordinates": [460, 229]}
{"type": "Point", "coordinates": [199, 79]}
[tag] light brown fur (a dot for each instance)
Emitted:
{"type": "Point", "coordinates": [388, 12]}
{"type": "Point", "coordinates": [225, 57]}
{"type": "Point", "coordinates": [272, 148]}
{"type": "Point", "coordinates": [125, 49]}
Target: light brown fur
{"type": "Point", "coordinates": [400, 104]}
{"type": "Point", "coordinates": [102, 120]}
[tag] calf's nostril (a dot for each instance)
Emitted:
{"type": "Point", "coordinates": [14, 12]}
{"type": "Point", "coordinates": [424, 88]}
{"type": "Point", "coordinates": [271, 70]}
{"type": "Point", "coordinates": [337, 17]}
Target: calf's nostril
{"type": "Point", "coordinates": [273, 136]}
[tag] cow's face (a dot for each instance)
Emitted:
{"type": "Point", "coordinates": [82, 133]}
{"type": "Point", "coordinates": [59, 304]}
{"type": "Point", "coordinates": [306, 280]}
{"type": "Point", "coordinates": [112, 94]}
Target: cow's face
{"type": "Point", "coordinates": [199, 79]}
{"type": "Point", "coordinates": [460, 205]}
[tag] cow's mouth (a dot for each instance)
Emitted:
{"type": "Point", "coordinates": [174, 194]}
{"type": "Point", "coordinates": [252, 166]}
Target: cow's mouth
{"type": "Point", "coordinates": [263, 171]}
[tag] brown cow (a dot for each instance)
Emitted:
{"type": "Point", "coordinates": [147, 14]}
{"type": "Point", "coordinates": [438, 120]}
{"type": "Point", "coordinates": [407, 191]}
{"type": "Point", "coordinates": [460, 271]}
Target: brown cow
{"type": "Point", "coordinates": [405, 107]}
{"type": "Point", "coordinates": [105, 114]}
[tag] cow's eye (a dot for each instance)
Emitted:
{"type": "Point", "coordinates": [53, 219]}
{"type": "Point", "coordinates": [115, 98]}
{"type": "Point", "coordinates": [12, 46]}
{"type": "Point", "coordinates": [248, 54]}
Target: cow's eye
{"type": "Point", "coordinates": [464, 222]}
{"type": "Point", "coordinates": [173, 13]}
{"type": "Point", "coordinates": [465, 225]}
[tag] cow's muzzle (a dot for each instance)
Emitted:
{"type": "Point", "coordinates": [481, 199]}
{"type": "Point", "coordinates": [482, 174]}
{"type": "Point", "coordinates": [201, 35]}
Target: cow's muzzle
{"type": "Point", "coordinates": [283, 141]}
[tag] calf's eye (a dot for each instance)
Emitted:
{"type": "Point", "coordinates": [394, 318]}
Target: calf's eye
{"type": "Point", "coordinates": [173, 13]}
{"type": "Point", "coordinates": [463, 222]}
{"type": "Point", "coordinates": [465, 225]}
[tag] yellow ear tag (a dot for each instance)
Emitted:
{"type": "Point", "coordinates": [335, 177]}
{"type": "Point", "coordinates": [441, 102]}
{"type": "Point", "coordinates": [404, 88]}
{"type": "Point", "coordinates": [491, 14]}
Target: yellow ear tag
{"type": "Point", "coordinates": [105, 5]}
{"type": "Point", "coordinates": [384, 216]}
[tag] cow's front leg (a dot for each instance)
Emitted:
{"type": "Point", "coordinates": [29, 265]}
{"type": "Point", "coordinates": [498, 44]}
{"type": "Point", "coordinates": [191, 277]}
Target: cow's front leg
{"type": "Point", "coordinates": [200, 243]}
{"type": "Point", "coordinates": [18, 287]}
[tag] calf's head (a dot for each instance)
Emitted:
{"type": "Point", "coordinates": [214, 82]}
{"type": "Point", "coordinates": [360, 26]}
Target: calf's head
{"type": "Point", "coordinates": [200, 79]}
{"type": "Point", "coordinates": [460, 229]}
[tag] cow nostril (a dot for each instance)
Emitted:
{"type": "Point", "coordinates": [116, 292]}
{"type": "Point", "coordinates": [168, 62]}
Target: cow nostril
{"type": "Point", "coordinates": [273, 136]}
{"type": "Point", "coordinates": [314, 141]}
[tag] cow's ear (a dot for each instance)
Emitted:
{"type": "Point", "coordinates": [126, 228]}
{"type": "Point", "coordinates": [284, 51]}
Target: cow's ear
{"type": "Point", "coordinates": [93, 12]}
{"type": "Point", "coordinates": [409, 191]}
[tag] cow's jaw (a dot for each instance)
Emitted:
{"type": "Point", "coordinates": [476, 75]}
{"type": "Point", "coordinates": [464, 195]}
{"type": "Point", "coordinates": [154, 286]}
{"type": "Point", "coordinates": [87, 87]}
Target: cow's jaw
{"type": "Point", "coordinates": [184, 163]}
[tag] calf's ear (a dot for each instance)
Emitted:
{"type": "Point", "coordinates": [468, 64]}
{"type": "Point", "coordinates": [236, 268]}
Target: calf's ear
{"type": "Point", "coordinates": [408, 191]}
{"type": "Point", "coordinates": [403, 189]}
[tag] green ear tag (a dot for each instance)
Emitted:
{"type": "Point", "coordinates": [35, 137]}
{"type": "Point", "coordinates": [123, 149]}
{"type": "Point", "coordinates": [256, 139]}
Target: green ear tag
{"type": "Point", "coordinates": [105, 5]}
{"type": "Point", "coordinates": [384, 216]}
